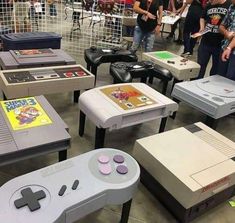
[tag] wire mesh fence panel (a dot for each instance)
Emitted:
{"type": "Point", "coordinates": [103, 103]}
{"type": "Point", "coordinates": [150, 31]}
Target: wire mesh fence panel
{"type": "Point", "coordinates": [81, 23]}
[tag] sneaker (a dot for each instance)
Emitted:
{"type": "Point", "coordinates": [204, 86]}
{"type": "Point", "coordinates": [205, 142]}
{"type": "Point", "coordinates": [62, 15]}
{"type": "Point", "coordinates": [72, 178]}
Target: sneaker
{"type": "Point", "coordinates": [183, 54]}
{"type": "Point", "coordinates": [187, 54]}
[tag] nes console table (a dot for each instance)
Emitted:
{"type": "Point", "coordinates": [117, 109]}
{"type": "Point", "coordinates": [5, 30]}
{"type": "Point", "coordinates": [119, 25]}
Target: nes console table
{"type": "Point", "coordinates": [45, 80]}
{"type": "Point", "coordinates": [67, 191]}
{"type": "Point", "coordinates": [31, 127]}
{"type": "Point", "coordinates": [181, 68]}
{"type": "Point", "coordinates": [15, 59]}
{"type": "Point", "coordinates": [190, 169]}
{"type": "Point", "coordinates": [214, 96]}
{"type": "Point", "coordinates": [122, 105]}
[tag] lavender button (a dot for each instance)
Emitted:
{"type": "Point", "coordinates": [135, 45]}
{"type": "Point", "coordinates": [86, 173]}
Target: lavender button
{"type": "Point", "coordinates": [118, 159]}
{"type": "Point", "coordinates": [103, 159]}
{"type": "Point", "coordinates": [122, 169]}
{"type": "Point", "coordinates": [105, 169]}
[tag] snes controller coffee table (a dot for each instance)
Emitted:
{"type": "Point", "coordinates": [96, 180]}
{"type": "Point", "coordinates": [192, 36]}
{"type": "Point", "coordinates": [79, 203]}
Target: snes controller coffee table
{"type": "Point", "coordinates": [45, 80]}
{"type": "Point", "coordinates": [189, 169]}
{"type": "Point", "coordinates": [67, 191]}
{"type": "Point", "coordinates": [30, 127]}
{"type": "Point", "coordinates": [181, 68]}
{"type": "Point", "coordinates": [15, 59]}
{"type": "Point", "coordinates": [122, 105]}
{"type": "Point", "coordinates": [214, 96]}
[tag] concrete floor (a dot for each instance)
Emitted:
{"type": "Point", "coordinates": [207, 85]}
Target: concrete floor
{"type": "Point", "coordinates": [145, 208]}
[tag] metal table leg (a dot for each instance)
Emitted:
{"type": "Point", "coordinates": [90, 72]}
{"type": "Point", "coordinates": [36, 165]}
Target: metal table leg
{"type": "Point", "coordinates": [82, 120]}
{"type": "Point", "coordinates": [162, 125]}
{"type": "Point", "coordinates": [125, 211]}
{"type": "Point", "coordinates": [62, 155]}
{"type": "Point", "coordinates": [99, 137]}
{"type": "Point", "coordinates": [76, 95]}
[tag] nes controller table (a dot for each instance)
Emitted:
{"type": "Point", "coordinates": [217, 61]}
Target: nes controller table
{"type": "Point", "coordinates": [45, 80]}
{"type": "Point", "coordinates": [31, 127]}
{"type": "Point", "coordinates": [189, 169]}
{"type": "Point", "coordinates": [15, 59]}
{"type": "Point", "coordinates": [181, 68]}
{"type": "Point", "coordinates": [214, 96]}
{"type": "Point", "coordinates": [122, 105]}
{"type": "Point", "coordinates": [67, 191]}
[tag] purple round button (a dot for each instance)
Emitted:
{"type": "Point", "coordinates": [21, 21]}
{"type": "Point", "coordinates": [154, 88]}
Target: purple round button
{"type": "Point", "coordinates": [103, 159]}
{"type": "Point", "coordinates": [105, 169]}
{"type": "Point", "coordinates": [122, 169]}
{"type": "Point", "coordinates": [118, 159]}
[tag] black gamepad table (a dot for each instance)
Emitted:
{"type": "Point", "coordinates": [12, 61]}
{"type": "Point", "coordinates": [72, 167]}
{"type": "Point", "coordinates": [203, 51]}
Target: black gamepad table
{"type": "Point", "coordinates": [96, 56]}
{"type": "Point", "coordinates": [124, 72]}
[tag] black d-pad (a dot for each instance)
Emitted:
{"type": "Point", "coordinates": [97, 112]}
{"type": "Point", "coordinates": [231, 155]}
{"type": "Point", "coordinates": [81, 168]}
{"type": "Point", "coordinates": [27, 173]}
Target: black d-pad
{"type": "Point", "coordinates": [30, 199]}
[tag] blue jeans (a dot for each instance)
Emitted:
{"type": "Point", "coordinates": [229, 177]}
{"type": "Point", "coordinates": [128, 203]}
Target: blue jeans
{"type": "Point", "coordinates": [147, 37]}
{"type": "Point", "coordinates": [204, 54]}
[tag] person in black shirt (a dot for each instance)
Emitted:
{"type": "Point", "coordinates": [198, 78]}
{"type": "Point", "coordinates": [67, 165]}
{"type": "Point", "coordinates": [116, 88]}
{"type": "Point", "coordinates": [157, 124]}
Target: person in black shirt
{"type": "Point", "coordinates": [210, 44]}
{"type": "Point", "coordinates": [192, 25]}
{"type": "Point", "coordinates": [148, 23]}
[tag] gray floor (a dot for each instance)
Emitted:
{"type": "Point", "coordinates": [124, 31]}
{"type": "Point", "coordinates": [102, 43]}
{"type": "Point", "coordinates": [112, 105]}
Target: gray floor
{"type": "Point", "coordinates": [145, 207]}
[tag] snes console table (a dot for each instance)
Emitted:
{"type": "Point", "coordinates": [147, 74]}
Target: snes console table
{"type": "Point", "coordinates": [31, 127]}
{"type": "Point", "coordinates": [15, 59]}
{"type": "Point", "coordinates": [67, 191]}
{"type": "Point", "coordinates": [214, 96]}
{"type": "Point", "coordinates": [181, 68]}
{"type": "Point", "coordinates": [45, 80]}
{"type": "Point", "coordinates": [189, 169]}
{"type": "Point", "coordinates": [122, 105]}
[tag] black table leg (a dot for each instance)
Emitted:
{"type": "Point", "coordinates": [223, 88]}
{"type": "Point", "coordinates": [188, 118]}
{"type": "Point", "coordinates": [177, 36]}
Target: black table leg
{"type": "Point", "coordinates": [94, 70]}
{"type": "Point", "coordinates": [125, 211]}
{"type": "Point", "coordinates": [99, 137]}
{"type": "Point", "coordinates": [62, 155]}
{"type": "Point", "coordinates": [162, 125]}
{"type": "Point", "coordinates": [143, 79]}
{"type": "Point", "coordinates": [4, 96]}
{"type": "Point", "coordinates": [76, 95]}
{"type": "Point", "coordinates": [174, 82]}
{"type": "Point", "coordinates": [164, 87]}
{"type": "Point", "coordinates": [211, 122]}
{"type": "Point", "coordinates": [82, 120]}
{"type": "Point", "coordinates": [174, 113]}
{"type": "Point", "coordinates": [88, 67]}
{"type": "Point", "coordinates": [151, 79]}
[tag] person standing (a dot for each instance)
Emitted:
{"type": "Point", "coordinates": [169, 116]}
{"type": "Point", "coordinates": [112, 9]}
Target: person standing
{"type": "Point", "coordinates": [192, 24]}
{"type": "Point", "coordinates": [229, 55]}
{"type": "Point", "coordinates": [175, 7]}
{"type": "Point", "coordinates": [210, 44]}
{"type": "Point", "coordinates": [148, 23]}
{"type": "Point", "coordinates": [227, 28]}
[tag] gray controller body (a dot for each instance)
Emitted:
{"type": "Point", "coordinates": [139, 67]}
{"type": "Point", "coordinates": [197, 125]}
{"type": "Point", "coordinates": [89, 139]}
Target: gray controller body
{"type": "Point", "coordinates": [70, 189]}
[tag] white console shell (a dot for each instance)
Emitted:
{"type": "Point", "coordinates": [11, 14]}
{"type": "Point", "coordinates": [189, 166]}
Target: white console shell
{"type": "Point", "coordinates": [179, 70]}
{"type": "Point", "coordinates": [105, 113]}
{"type": "Point", "coordinates": [190, 166]}
{"type": "Point", "coordinates": [214, 95]}
{"type": "Point", "coordinates": [45, 86]}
